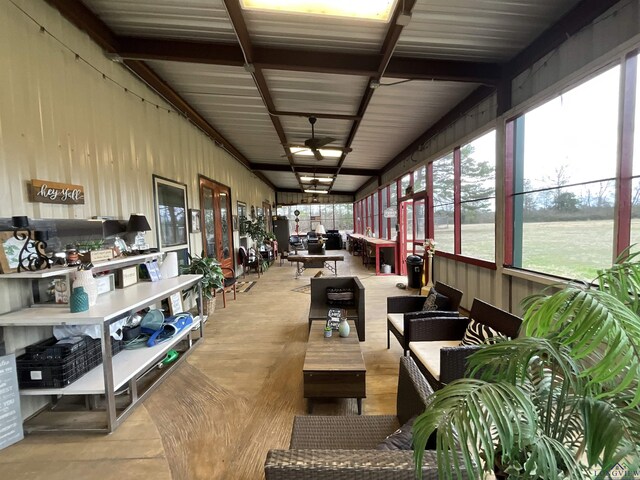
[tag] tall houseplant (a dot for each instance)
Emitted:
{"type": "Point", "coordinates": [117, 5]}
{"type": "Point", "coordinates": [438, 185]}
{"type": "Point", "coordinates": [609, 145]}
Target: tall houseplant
{"type": "Point", "coordinates": [561, 401]}
{"type": "Point", "coordinates": [212, 278]}
{"type": "Point", "coordinates": [256, 229]}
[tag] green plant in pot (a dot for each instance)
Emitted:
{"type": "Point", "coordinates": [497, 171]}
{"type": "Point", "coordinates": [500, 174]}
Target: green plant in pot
{"type": "Point", "coordinates": [255, 229]}
{"type": "Point", "coordinates": [212, 278]}
{"type": "Point", "coordinates": [559, 402]}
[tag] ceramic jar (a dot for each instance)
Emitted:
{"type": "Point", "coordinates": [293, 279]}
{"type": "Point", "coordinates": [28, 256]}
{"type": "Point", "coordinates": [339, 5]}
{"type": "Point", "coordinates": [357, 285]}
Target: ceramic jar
{"type": "Point", "coordinates": [344, 328]}
{"type": "Point", "coordinates": [79, 300]}
{"type": "Point", "coordinates": [84, 278]}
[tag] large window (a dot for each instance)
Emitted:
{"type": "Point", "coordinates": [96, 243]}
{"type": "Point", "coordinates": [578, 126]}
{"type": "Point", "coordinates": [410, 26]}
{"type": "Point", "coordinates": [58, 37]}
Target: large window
{"type": "Point", "coordinates": [477, 197]}
{"type": "Point", "coordinates": [564, 187]}
{"type": "Point", "coordinates": [337, 216]}
{"type": "Point", "coordinates": [420, 179]}
{"type": "Point", "coordinates": [443, 204]}
{"type": "Point", "coordinates": [635, 196]}
{"type": "Point", "coordinates": [375, 226]}
{"type": "Point", "coordinates": [384, 193]}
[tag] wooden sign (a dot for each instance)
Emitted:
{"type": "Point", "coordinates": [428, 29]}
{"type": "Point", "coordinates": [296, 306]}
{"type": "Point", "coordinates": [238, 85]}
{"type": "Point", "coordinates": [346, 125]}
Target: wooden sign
{"type": "Point", "coordinates": [43, 191]}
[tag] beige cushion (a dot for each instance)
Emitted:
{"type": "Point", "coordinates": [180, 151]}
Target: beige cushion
{"type": "Point", "coordinates": [397, 320]}
{"type": "Point", "coordinates": [428, 354]}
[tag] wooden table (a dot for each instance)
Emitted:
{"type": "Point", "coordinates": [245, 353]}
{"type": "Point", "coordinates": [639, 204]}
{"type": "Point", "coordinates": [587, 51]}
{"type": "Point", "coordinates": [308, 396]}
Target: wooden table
{"type": "Point", "coordinates": [303, 259]}
{"type": "Point", "coordinates": [378, 243]}
{"type": "Point", "coordinates": [334, 367]}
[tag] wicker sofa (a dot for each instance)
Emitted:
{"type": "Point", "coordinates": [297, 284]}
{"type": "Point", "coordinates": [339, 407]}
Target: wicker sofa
{"type": "Point", "coordinates": [436, 347]}
{"type": "Point", "coordinates": [405, 315]}
{"type": "Point", "coordinates": [320, 304]}
{"type": "Point", "coordinates": [344, 447]}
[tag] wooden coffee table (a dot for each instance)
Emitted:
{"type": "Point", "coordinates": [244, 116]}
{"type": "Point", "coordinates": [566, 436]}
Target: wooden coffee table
{"type": "Point", "coordinates": [334, 367]}
{"type": "Point", "coordinates": [303, 260]}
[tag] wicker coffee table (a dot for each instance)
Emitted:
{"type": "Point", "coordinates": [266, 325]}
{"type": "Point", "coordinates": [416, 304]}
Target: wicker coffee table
{"type": "Point", "coordinates": [334, 367]}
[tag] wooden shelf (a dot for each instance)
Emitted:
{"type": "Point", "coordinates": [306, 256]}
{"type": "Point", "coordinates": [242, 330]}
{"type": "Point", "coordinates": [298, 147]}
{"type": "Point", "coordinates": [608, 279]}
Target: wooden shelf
{"type": "Point", "coordinates": [127, 364]}
{"type": "Point", "coordinates": [109, 305]}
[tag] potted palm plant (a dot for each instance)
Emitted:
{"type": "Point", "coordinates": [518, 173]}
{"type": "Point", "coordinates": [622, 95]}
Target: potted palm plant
{"type": "Point", "coordinates": [559, 402]}
{"type": "Point", "coordinates": [212, 279]}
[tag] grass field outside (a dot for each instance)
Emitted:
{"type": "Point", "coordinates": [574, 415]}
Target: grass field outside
{"type": "Point", "coordinates": [571, 249]}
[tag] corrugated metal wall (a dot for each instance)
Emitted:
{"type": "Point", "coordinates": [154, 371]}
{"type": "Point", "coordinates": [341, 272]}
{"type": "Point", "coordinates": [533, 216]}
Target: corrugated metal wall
{"type": "Point", "coordinates": [61, 120]}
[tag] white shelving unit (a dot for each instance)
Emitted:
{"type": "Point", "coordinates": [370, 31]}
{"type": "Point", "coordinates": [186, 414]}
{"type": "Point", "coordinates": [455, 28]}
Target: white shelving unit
{"type": "Point", "coordinates": [127, 367]}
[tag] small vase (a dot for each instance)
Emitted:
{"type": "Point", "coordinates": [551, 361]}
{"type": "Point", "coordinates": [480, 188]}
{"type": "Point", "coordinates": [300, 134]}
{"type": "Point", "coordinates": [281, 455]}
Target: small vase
{"type": "Point", "coordinates": [84, 278]}
{"type": "Point", "coordinates": [344, 329]}
{"type": "Point", "coordinates": [79, 300]}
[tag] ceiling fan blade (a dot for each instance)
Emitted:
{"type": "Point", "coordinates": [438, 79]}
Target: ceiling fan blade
{"type": "Point", "coordinates": [319, 142]}
{"type": "Point", "coordinates": [317, 154]}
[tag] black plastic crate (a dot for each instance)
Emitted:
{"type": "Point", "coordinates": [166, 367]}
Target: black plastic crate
{"type": "Point", "coordinates": [52, 373]}
{"type": "Point", "coordinates": [47, 366]}
{"type": "Point", "coordinates": [52, 349]}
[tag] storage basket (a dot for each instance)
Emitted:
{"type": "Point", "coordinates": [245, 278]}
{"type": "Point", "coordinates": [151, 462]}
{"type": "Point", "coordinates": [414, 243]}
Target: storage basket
{"type": "Point", "coordinates": [47, 364]}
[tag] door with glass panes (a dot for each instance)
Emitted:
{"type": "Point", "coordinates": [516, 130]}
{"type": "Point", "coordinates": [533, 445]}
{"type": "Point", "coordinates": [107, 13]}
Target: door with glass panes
{"type": "Point", "coordinates": [217, 232]}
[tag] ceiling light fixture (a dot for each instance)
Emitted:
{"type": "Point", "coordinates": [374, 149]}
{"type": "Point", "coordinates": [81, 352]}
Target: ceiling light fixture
{"type": "Point", "coordinates": [315, 191]}
{"type": "Point", "coordinates": [306, 152]}
{"type": "Point", "coordinates": [377, 10]}
{"type": "Point", "coordinates": [319, 179]}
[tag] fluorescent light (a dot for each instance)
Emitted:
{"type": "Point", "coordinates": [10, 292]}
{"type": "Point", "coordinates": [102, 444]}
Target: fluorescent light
{"type": "Point", "coordinates": [378, 10]}
{"type": "Point", "coordinates": [316, 191]}
{"type": "Point", "coordinates": [319, 179]}
{"type": "Point", "coordinates": [306, 152]}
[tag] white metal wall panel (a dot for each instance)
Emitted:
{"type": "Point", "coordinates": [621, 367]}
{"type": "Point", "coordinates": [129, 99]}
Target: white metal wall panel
{"type": "Point", "coordinates": [60, 120]}
{"type": "Point", "coordinates": [478, 30]}
{"type": "Point", "coordinates": [227, 98]}
{"type": "Point", "coordinates": [313, 32]}
{"type": "Point", "coordinates": [316, 92]}
{"type": "Point", "coordinates": [349, 183]}
{"type": "Point", "coordinates": [422, 103]}
{"type": "Point", "coordinates": [179, 19]}
{"type": "Point", "coordinates": [620, 26]}
{"type": "Point", "coordinates": [283, 179]}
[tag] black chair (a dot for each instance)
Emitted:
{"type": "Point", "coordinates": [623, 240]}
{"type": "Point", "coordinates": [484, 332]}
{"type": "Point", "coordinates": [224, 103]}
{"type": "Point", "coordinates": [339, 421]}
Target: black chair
{"type": "Point", "coordinates": [249, 261]}
{"type": "Point", "coordinates": [296, 242]}
{"type": "Point", "coordinates": [320, 303]}
{"type": "Point", "coordinates": [437, 349]}
{"type": "Point", "coordinates": [405, 314]}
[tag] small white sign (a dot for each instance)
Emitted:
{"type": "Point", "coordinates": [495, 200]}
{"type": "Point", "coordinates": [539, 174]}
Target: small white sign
{"type": "Point", "coordinates": [389, 212]}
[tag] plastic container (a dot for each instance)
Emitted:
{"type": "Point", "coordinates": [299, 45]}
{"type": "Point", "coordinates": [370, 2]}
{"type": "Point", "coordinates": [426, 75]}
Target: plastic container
{"type": "Point", "coordinates": [414, 271]}
{"type": "Point", "coordinates": [54, 364]}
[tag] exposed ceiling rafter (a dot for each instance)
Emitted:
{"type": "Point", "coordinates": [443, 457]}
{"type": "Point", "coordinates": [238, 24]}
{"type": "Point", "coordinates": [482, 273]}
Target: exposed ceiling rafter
{"type": "Point", "coordinates": [308, 61]}
{"type": "Point", "coordinates": [270, 167]}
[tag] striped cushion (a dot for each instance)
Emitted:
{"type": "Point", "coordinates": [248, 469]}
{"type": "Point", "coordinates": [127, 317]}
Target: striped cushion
{"type": "Point", "coordinates": [477, 333]}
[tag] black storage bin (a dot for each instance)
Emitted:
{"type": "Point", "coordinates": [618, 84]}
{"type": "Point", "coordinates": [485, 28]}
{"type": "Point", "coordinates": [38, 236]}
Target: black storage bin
{"type": "Point", "coordinates": [414, 271]}
{"type": "Point", "coordinates": [48, 364]}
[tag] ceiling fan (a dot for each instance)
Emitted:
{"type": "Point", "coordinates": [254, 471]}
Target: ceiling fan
{"type": "Point", "coordinates": [315, 144]}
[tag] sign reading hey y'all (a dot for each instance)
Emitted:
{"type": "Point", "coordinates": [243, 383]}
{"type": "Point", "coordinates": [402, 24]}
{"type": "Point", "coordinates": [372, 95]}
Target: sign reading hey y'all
{"type": "Point", "coordinates": [10, 416]}
{"type": "Point", "coordinates": [44, 191]}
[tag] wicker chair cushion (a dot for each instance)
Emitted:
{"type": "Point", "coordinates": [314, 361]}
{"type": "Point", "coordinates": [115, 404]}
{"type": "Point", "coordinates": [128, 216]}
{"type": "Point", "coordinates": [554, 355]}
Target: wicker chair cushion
{"type": "Point", "coordinates": [428, 354]}
{"type": "Point", "coordinates": [401, 439]}
{"type": "Point", "coordinates": [397, 320]}
{"type": "Point", "coordinates": [478, 333]}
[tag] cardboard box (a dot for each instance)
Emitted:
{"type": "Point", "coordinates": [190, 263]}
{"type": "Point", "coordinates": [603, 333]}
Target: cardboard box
{"type": "Point", "coordinates": [126, 277]}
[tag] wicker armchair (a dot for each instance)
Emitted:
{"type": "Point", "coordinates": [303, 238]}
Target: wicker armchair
{"type": "Point", "coordinates": [405, 315]}
{"type": "Point", "coordinates": [343, 447]}
{"type": "Point", "coordinates": [436, 347]}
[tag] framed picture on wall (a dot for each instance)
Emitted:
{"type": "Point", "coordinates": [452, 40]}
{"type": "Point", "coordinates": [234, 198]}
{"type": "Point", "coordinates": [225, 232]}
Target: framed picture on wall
{"type": "Point", "coordinates": [194, 220]}
{"type": "Point", "coordinates": [235, 222]}
{"type": "Point", "coordinates": [170, 200]}
{"type": "Point", "coordinates": [242, 215]}
{"type": "Point", "coordinates": [9, 252]}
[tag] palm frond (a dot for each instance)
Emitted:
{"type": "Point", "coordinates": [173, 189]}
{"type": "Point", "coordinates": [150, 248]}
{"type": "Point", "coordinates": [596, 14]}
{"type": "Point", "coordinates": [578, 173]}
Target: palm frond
{"type": "Point", "coordinates": [473, 409]}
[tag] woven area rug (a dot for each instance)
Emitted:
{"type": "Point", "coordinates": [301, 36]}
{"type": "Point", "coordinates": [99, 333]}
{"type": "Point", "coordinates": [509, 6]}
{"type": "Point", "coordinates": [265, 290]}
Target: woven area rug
{"type": "Point", "coordinates": [243, 287]}
{"type": "Point", "coordinates": [302, 289]}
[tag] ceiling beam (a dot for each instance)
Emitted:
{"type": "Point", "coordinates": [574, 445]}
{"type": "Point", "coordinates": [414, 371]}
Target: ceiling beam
{"type": "Point", "coordinates": [320, 195]}
{"type": "Point", "coordinates": [403, 8]}
{"type": "Point", "coordinates": [270, 167]}
{"type": "Point", "coordinates": [79, 15]}
{"type": "Point", "coordinates": [583, 14]}
{"type": "Point", "coordinates": [82, 17]}
{"type": "Point", "coordinates": [308, 61]}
